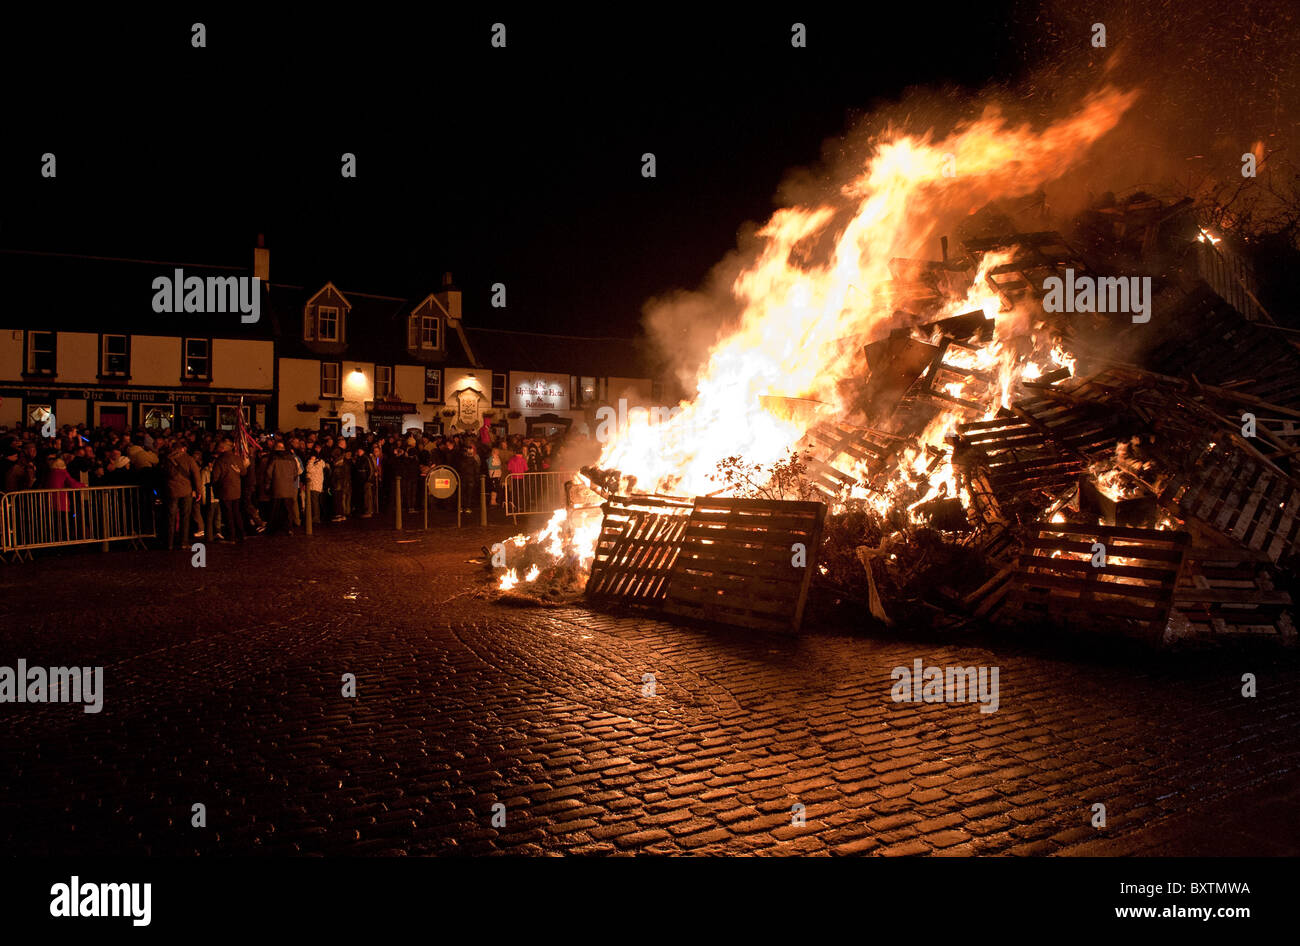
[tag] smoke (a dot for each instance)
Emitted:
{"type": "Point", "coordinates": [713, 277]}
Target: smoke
{"type": "Point", "coordinates": [1209, 85]}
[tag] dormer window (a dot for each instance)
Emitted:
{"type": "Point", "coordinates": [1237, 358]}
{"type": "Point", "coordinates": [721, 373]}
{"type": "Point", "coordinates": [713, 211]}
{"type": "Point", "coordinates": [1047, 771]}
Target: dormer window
{"type": "Point", "coordinates": [324, 317]}
{"type": "Point", "coordinates": [430, 332]}
{"type": "Point", "coordinates": [327, 323]}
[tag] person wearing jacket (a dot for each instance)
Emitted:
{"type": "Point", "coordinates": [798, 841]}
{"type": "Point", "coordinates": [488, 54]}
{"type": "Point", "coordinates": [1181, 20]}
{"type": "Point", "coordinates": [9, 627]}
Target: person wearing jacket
{"type": "Point", "coordinates": [182, 485]}
{"type": "Point", "coordinates": [362, 472]}
{"type": "Point", "coordinates": [57, 478]}
{"type": "Point", "coordinates": [341, 484]}
{"type": "Point", "coordinates": [467, 468]}
{"type": "Point", "coordinates": [227, 489]}
{"type": "Point", "coordinates": [282, 474]}
{"type": "Point", "coordinates": [315, 483]}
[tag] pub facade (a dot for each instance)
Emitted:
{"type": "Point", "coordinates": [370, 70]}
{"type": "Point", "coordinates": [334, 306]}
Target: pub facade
{"type": "Point", "coordinates": [80, 343]}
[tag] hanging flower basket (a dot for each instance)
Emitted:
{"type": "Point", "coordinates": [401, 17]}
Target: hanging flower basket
{"type": "Point", "coordinates": [514, 415]}
{"type": "Point", "coordinates": [448, 413]}
{"type": "Point", "coordinates": [308, 408]}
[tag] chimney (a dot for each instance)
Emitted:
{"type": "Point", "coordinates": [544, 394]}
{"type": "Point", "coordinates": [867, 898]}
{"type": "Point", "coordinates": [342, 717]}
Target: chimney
{"type": "Point", "coordinates": [449, 296]}
{"type": "Point", "coordinates": [262, 259]}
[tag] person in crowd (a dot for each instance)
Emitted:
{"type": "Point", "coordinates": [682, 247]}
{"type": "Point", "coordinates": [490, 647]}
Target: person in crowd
{"type": "Point", "coordinates": [228, 487]}
{"type": "Point", "coordinates": [282, 482]}
{"type": "Point", "coordinates": [57, 478]}
{"type": "Point", "coordinates": [316, 467]}
{"type": "Point", "coordinates": [494, 470]}
{"type": "Point", "coordinates": [14, 473]}
{"type": "Point", "coordinates": [361, 473]}
{"type": "Point", "coordinates": [341, 484]}
{"type": "Point", "coordinates": [182, 488]}
{"type": "Point", "coordinates": [467, 468]}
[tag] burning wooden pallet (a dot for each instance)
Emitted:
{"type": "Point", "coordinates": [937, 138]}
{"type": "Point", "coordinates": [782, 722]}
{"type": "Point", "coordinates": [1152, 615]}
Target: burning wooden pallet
{"type": "Point", "coordinates": [640, 539]}
{"type": "Point", "coordinates": [1071, 417]}
{"type": "Point", "coordinates": [1230, 591]}
{"type": "Point", "coordinates": [740, 562]}
{"type": "Point", "coordinates": [832, 447]}
{"type": "Point", "coordinates": [1037, 257]}
{"type": "Point", "coordinates": [1009, 458]}
{"type": "Point", "coordinates": [1057, 578]}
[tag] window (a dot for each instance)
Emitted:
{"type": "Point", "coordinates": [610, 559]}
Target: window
{"type": "Point", "coordinates": [41, 352]}
{"type": "Point", "coordinates": [431, 332]}
{"type": "Point", "coordinates": [198, 361]}
{"type": "Point", "coordinates": [113, 359]}
{"type": "Point", "coordinates": [39, 414]}
{"type": "Point", "coordinates": [327, 323]}
{"type": "Point", "coordinates": [383, 381]}
{"type": "Point", "coordinates": [433, 428]}
{"type": "Point", "coordinates": [330, 372]}
{"type": "Point", "coordinates": [226, 416]}
{"type": "Point", "coordinates": [433, 385]}
{"type": "Point", "coordinates": [587, 391]}
{"type": "Point", "coordinates": [159, 416]}
{"type": "Point", "coordinates": [499, 385]}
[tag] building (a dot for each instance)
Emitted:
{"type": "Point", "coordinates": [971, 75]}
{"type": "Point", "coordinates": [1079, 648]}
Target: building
{"type": "Point", "coordinates": [80, 340]}
{"type": "Point", "coordinates": [401, 363]}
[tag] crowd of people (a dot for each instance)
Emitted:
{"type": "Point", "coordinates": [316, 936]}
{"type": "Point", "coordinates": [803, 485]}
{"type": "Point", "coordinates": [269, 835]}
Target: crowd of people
{"type": "Point", "coordinates": [229, 485]}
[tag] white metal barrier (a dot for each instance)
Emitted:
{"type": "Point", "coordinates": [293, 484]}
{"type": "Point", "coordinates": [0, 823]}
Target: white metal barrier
{"type": "Point", "coordinates": [52, 518]}
{"type": "Point", "coordinates": [528, 493]}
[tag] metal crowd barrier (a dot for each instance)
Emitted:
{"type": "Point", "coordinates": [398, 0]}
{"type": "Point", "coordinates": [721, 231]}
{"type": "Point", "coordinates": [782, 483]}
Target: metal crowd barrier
{"type": "Point", "coordinates": [53, 518]}
{"type": "Point", "coordinates": [529, 493]}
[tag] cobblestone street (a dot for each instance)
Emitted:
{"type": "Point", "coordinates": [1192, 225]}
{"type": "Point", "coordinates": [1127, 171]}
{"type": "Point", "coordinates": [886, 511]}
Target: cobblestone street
{"type": "Point", "coordinates": [222, 685]}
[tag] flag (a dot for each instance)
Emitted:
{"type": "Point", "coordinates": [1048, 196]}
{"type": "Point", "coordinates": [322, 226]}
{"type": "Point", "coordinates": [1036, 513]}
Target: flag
{"type": "Point", "coordinates": [243, 439]}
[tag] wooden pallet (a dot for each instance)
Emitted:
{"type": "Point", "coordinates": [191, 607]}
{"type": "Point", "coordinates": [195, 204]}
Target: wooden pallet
{"type": "Point", "coordinates": [1230, 592]}
{"type": "Point", "coordinates": [640, 539]}
{"type": "Point", "coordinates": [735, 565]}
{"type": "Point", "coordinates": [1016, 457]}
{"type": "Point", "coordinates": [1072, 420]}
{"type": "Point", "coordinates": [1037, 256]}
{"type": "Point", "coordinates": [836, 448]}
{"type": "Point", "coordinates": [1232, 496]}
{"type": "Point", "coordinates": [1229, 350]}
{"type": "Point", "coordinates": [1055, 580]}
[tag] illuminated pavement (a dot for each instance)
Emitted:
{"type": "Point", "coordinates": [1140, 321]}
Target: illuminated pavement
{"type": "Point", "coordinates": [223, 687]}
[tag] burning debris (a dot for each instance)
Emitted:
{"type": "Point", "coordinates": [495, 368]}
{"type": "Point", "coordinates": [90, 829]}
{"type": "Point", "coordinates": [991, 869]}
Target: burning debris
{"type": "Point", "coordinates": [940, 441]}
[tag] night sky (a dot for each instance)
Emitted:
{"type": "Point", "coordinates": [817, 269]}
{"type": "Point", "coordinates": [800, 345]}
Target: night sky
{"type": "Point", "coordinates": [519, 165]}
{"type": "Point", "coordinates": [522, 165]}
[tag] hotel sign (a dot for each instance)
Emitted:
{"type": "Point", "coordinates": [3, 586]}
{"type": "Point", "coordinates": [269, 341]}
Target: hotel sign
{"type": "Point", "coordinates": [537, 391]}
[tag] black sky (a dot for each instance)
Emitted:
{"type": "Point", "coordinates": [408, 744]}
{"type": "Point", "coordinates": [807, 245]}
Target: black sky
{"type": "Point", "coordinates": [519, 165]}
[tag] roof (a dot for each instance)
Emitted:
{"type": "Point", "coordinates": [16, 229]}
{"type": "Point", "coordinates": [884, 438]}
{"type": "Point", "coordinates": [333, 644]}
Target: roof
{"type": "Point", "coordinates": [71, 293]}
{"type": "Point", "coordinates": [77, 293]}
{"type": "Point", "coordinates": [562, 354]}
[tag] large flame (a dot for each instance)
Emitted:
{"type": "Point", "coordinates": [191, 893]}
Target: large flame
{"type": "Point", "coordinates": [802, 323]}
